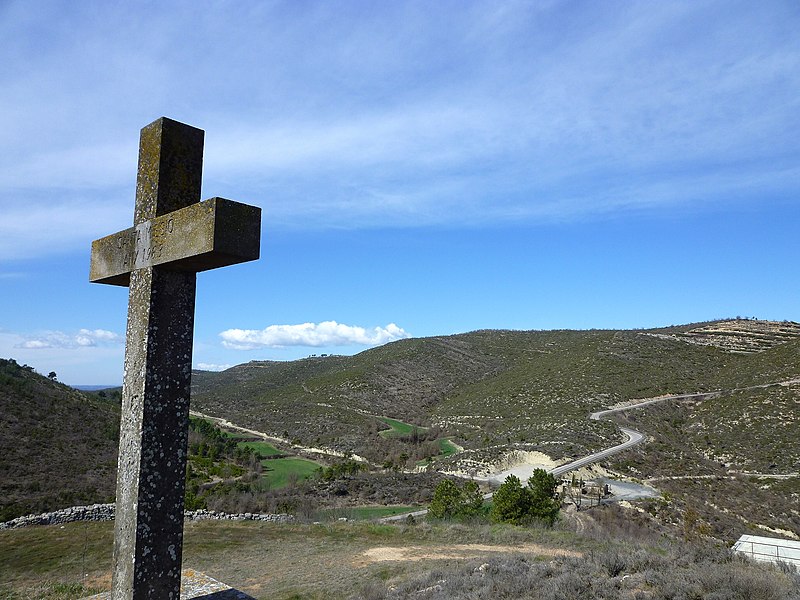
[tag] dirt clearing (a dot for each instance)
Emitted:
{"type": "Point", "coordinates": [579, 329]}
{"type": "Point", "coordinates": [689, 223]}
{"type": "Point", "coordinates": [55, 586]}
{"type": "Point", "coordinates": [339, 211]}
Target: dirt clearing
{"type": "Point", "coordinates": [456, 551]}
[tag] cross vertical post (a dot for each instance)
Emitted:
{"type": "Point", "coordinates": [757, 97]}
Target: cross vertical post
{"type": "Point", "coordinates": [148, 537]}
{"type": "Point", "coordinates": [174, 236]}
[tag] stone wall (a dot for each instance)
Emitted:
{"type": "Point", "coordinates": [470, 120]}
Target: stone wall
{"type": "Point", "coordinates": [105, 512]}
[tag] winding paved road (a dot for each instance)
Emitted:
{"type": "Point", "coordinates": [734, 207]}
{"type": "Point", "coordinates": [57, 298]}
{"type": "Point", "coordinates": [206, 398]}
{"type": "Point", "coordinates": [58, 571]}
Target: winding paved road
{"type": "Point", "coordinates": [634, 438]}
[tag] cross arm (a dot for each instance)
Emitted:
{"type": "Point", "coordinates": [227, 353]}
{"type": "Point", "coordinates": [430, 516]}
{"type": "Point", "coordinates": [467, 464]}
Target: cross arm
{"type": "Point", "coordinates": [202, 236]}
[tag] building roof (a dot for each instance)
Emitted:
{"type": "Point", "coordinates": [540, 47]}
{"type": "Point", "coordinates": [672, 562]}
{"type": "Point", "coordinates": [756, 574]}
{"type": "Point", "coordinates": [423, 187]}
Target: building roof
{"type": "Point", "coordinates": [769, 549]}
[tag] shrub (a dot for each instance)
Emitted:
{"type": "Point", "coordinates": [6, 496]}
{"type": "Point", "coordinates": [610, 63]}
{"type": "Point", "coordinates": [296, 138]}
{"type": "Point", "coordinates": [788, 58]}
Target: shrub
{"type": "Point", "coordinates": [513, 503]}
{"type": "Point", "coordinates": [451, 501]}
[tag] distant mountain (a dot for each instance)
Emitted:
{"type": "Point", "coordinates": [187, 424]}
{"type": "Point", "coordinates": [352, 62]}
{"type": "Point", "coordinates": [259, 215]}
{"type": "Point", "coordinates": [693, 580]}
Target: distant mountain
{"type": "Point", "coordinates": [94, 388]}
{"type": "Point", "coordinates": [58, 445]}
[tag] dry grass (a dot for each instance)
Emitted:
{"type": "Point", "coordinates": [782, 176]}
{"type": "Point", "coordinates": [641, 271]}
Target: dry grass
{"type": "Point", "coordinates": [345, 560]}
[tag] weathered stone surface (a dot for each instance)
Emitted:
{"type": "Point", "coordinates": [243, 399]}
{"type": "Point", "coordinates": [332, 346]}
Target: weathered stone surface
{"type": "Point", "coordinates": [197, 586]}
{"type": "Point", "coordinates": [211, 234]}
{"type": "Point", "coordinates": [172, 237]}
{"type": "Point", "coordinates": [148, 536]}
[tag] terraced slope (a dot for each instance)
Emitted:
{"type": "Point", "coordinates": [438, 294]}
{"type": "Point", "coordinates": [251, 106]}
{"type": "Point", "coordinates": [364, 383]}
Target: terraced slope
{"type": "Point", "coordinates": [739, 335]}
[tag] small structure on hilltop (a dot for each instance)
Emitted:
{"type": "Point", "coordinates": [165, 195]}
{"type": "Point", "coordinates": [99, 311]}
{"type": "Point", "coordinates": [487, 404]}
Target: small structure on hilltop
{"type": "Point", "coordinates": [768, 549]}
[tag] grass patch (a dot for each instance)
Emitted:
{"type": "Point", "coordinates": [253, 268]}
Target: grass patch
{"type": "Point", "coordinates": [398, 428]}
{"type": "Point", "coordinates": [279, 472]}
{"type": "Point", "coordinates": [233, 435]}
{"type": "Point", "coordinates": [446, 447]}
{"type": "Point", "coordinates": [263, 448]}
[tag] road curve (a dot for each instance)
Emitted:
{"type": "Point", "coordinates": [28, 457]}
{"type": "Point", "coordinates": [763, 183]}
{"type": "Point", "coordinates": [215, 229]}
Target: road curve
{"type": "Point", "coordinates": [634, 438]}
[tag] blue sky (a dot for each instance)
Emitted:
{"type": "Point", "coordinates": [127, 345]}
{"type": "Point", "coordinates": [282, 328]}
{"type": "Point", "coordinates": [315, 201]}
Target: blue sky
{"type": "Point", "coordinates": [423, 168]}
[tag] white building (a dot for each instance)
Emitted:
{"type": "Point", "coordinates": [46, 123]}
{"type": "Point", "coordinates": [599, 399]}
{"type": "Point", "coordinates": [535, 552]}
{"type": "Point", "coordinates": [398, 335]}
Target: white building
{"type": "Point", "coordinates": [769, 549]}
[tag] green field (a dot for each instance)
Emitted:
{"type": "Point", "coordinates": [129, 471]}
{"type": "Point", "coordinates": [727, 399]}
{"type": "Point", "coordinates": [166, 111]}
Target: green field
{"type": "Point", "coordinates": [278, 471]}
{"type": "Point", "coordinates": [398, 428]}
{"type": "Point", "coordinates": [446, 447]}
{"type": "Point", "coordinates": [263, 448]}
{"type": "Point", "coordinates": [231, 434]}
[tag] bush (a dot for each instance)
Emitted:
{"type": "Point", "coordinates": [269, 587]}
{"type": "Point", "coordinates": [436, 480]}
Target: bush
{"type": "Point", "coordinates": [515, 504]}
{"type": "Point", "coordinates": [340, 470]}
{"type": "Point", "coordinates": [451, 501]}
{"type": "Point", "coordinates": [544, 506]}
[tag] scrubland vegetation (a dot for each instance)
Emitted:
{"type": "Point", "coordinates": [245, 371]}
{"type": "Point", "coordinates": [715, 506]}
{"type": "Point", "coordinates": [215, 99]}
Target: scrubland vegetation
{"type": "Point", "coordinates": [725, 465]}
{"type": "Point", "coordinates": [58, 446]}
{"type": "Point", "coordinates": [604, 553]}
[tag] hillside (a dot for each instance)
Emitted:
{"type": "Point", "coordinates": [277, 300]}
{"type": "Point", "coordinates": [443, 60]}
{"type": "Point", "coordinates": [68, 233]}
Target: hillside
{"type": "Point", "coordinates": [485, 394]}
{"type": "Point", "coordinates": [493, 390]}
{"type": "Point", "coordinates": [58, 446]}
{"type": "Point", "coordinates": [732, 461]}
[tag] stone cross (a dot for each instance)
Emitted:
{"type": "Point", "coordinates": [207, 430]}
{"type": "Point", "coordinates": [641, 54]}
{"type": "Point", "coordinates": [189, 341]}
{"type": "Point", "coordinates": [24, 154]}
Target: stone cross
{"type": "Point", "coordinates": [174, 236]}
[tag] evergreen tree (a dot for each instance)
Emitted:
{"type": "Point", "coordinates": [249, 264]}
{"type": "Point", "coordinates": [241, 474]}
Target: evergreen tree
{"type": "Point", "coordinates": [511, 502]}
{"type": "Point", "coordinates": [446, 500]}
{"type": "Point", "coordinates": [472, 499]}
{"type": "Point", "coordinates": [544, 504]}
{"type": "Point", "coordinates": [451, 501]}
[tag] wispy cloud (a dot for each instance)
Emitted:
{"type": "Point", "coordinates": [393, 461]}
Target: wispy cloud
{"type": "Point", "coordinates": [37, 229]}
{"type": "Point", "coordinates": [327, 333]}
{"type": "Point", "coordinates": [405, 115]}
{"type": "Point", "coordinates": [83, 338]}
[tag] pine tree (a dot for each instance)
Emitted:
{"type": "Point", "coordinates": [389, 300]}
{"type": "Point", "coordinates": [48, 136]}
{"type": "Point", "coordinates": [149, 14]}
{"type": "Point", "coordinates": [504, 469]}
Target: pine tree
{"type": "Point", "coordinates": [511, 502]}
{"type": "Point", "coordinates": [544, 505]}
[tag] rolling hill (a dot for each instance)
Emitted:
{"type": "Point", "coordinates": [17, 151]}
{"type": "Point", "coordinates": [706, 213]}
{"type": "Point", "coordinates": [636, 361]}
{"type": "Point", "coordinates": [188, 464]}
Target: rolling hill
{"type": "Point", "coordinates": [493, 390]}
{"type": "Point", "coordinates": [58, 446]}
{"type": "Point", "coordinates": [485, 393]}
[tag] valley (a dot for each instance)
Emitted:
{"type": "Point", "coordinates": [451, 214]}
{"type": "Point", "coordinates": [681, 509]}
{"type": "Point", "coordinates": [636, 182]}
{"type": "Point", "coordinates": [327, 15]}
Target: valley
{"type": "Point", "coordinates": [372, 435]}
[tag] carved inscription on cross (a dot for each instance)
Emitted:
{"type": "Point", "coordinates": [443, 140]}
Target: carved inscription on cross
{"type": "Point", "coordinates": [174, 236]}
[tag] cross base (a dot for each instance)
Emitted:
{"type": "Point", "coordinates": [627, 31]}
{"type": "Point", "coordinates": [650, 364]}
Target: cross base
{"type": "Point", "coordinates": [196, 586]}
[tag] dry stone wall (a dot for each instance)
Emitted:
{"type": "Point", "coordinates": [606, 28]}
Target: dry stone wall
{"type": "Point", "coordinates": [105, 512]}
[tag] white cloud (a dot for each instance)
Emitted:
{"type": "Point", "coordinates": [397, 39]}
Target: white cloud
{"type": "Point", "coordinates": [327, 333]}
{"type": "Point", "coordinates": [84, 338]}
{"type": "Point", "coordinates": [34, 344]}
{"type": "Point", "coordinates": [211, 367]}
